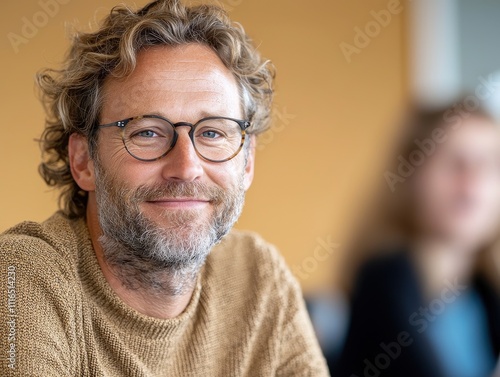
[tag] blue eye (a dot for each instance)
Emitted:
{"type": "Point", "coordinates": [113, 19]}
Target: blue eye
{"type": "Point", "coordinates": [210, 134]}
{"type": "Point", "coordinates": [146, 133]}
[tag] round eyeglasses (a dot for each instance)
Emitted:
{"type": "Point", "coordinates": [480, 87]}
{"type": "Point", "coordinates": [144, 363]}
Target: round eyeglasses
{"type": "Point", "coordinates": [151, 137]}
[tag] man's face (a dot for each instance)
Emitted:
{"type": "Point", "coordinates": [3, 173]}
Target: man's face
{"type": "Point", "coordinates": [180, 197]}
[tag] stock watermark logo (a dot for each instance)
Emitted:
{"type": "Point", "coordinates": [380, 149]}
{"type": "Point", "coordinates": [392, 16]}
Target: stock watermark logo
{"type": "Point", "coordinates": [280, 119]}
{"type": "Point", "coordinates": [30, 26]}
{"type": "Point", "coordinates": [11, 316]}
{"type": "Point", "coordinates": [419, 320]}
{"type": "Point", "coordinates": [452, 121]}
{"type": "Point", "coordinates": [323, 251]}
{"type": "Point", "coordinates": [364, 36]}
{"type": "Point", "coordinates": [423, 149]}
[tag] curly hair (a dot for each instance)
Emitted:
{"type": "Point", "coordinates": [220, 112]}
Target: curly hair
{"type": "Point", "coordinates": [72, 95]}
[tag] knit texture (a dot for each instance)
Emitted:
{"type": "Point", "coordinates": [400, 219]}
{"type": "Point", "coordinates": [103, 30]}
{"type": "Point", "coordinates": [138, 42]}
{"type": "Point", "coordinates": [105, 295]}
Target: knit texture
{"type": "Point", "coordinates": [59, 316]}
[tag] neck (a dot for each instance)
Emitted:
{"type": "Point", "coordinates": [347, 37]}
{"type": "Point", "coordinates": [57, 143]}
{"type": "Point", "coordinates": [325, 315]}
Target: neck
{"type": "Point", "coordinates": [441, 262]}
{"type": "Point", "coordinates": [159, 294]}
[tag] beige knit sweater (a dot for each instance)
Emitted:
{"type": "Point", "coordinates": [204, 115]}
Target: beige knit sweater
{"type": "Point", "coordinates": [59, 317]}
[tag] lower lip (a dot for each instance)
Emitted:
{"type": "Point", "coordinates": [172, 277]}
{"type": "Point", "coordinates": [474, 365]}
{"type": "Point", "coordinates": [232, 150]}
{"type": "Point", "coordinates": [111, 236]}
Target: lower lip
{"type": "Point", "coordinates": [179, 204]}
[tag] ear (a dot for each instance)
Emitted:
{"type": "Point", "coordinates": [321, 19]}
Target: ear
{"type": "Point", "coordinates": [82, 167]}
{"type": "Point", "coordinates": [249, 168]}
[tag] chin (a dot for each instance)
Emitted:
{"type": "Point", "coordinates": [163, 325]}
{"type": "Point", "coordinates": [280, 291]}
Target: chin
{"type": "Point", "coordinates": [178, 218]}
{"type": "Point", "coordinates": [464, 237]}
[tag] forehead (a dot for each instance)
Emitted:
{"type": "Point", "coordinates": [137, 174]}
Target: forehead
{"type": "Point", "coordinates": [475, 133]}
{"type": "Point", "coordinates": [182, 81]}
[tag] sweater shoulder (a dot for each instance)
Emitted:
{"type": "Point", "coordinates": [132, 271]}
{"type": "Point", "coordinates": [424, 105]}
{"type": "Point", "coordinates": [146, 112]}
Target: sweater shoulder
{"type": "Point", "coordinates": [52, 242]}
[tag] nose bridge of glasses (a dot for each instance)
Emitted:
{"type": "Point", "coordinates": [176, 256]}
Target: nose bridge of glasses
{"type": "Point", "coordinates": [183, 124]}
{"type": "Point", "coordinates": [190, 131]}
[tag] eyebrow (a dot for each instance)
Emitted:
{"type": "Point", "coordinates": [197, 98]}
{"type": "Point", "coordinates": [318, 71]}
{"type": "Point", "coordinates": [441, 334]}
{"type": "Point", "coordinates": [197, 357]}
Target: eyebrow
{"type": "Point", "coordinates": [203, 114]}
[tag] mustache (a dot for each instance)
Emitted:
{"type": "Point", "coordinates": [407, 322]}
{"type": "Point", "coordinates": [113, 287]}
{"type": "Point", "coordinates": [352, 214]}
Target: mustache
{"type": "Point", "coordinates": [175, 190]}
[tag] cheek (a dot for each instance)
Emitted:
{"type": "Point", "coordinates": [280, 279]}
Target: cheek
{"type": "Point", "coordinates": [226, 174]}
{"type": "Point", "coordinates": [121, 166]}
{"type": "Point", "coordinates": [430, 188]}
{"type": "Point", "coordinates": [490, 194]}
{"type": "Point", "coordinates": [433, 197]}
{"type": "Point", "coordinates": [110, 146]}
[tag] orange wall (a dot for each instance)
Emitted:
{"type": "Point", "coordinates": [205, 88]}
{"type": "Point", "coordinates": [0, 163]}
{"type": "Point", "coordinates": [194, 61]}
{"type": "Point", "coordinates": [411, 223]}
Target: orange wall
{"type": "Point", "coordinates": [331, 124]}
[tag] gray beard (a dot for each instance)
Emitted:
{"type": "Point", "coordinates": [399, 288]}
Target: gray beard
{"type": "Point", "coordinates": [161, 260]}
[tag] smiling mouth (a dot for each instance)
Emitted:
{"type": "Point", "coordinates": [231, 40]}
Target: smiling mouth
{"type": "Point", "coordinates": [179, 202]}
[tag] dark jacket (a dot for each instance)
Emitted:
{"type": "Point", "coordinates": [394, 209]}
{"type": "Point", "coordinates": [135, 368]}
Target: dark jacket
{"type": "Point", "coordinates": [383, 338]}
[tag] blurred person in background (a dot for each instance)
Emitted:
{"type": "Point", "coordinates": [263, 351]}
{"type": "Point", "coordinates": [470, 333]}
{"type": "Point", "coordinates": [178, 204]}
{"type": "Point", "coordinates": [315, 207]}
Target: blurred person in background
{"type": "Point", "coordinates": [429, 304]}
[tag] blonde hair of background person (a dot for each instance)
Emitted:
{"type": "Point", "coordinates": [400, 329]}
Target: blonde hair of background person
{"type": "Point", "coordinates": [151, 139]}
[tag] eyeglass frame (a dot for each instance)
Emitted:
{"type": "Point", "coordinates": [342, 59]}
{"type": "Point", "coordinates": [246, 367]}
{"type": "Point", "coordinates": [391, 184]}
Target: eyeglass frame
{"type": "Point", "coordinates": [244, 125]}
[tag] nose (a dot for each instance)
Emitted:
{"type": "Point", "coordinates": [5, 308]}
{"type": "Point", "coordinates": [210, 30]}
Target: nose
{"type": "Point", "coordinates": [182, 163]}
